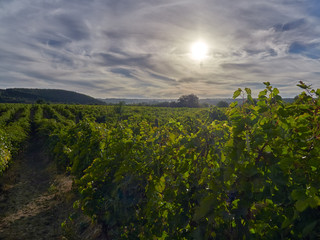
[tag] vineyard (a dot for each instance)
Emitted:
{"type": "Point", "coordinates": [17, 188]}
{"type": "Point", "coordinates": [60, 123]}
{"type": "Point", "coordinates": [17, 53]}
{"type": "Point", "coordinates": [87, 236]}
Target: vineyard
{"type": "Point", "coordinates": [249, 171]}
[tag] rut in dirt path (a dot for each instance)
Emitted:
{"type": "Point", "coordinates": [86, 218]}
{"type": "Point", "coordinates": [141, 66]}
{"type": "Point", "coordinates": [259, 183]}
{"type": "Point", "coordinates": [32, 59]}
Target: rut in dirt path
{"type": "Point", "coordinates": [33, 196]}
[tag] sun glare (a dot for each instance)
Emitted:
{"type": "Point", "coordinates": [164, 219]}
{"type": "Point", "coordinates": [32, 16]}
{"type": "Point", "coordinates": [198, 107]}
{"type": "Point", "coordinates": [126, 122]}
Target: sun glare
{"type": "Point", "coordinates": [199, 50]}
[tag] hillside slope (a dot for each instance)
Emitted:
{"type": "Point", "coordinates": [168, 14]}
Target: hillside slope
{"type": "Point", "coordinates": [25, 95]}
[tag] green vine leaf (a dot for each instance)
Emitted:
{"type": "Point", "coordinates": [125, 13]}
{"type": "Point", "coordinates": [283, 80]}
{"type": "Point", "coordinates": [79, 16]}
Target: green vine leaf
{"type": "Point", "coordinates": [237, 93]}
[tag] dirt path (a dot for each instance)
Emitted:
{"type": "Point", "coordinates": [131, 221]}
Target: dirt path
{"type": "Point", "coordinates": [33, 197]}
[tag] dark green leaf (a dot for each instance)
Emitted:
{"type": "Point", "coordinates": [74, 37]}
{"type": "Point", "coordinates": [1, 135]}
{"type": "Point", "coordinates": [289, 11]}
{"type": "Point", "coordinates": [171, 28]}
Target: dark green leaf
{"type": "Point", "coordinates": [286, 223]}
{"type": "Point", "coordinates": [309, 228]}
{"type": "Point", "coordinates": [298, 194]}
{"type": "Point", "coordinates": [204, 208]}
{"type": "Point", "coordinates": [301, 205]}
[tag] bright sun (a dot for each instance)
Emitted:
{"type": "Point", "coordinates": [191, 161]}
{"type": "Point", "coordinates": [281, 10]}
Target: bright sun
{"type": "Point", "coordinates": [199, 50]}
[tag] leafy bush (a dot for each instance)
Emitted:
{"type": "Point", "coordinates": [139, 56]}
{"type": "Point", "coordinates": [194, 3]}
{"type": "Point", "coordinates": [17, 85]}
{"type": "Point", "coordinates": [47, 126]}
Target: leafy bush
{"type": "Point", "coordinates": [254, 176]}
{"type": "Point", "coordinates": [250, 171]}
{"type": "Point", "coordinates": [5, 154]}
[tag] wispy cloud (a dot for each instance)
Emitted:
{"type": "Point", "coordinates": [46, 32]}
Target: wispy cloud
{"type": "Point", "coordinates": [141, 48]}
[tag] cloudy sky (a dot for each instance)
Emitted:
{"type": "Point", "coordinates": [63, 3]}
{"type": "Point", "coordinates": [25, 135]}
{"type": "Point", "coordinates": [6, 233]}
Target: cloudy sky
{"type": "Point", "coordinates": [141, 48]}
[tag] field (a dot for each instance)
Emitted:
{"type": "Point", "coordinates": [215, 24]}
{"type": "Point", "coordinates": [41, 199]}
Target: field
{"type": "Point", "coordinates": [249, 171]}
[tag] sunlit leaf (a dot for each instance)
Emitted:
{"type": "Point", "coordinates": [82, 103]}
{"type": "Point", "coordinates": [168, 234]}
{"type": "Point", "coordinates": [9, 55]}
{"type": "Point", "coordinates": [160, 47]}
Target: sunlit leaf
{"type": "Point", "coordinates": [237, 93]}
{"type": "Point", "coordinates": [248, 91]}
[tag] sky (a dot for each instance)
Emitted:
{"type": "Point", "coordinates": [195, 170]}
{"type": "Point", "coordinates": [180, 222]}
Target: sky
{"type": "Point", "coordinates": [142, 48]}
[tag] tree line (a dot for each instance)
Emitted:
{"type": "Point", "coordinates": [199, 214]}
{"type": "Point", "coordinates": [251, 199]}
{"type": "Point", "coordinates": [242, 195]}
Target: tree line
{"type": "Point", "coordinates": [191, 101]}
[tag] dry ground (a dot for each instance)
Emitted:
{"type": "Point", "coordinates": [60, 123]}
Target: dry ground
{"type": "Point", "coordinates": [34, 198]}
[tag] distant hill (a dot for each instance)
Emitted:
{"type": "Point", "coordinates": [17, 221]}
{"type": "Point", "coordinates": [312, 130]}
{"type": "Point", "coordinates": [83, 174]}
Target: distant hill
{"type": "Point", "coordinates": [209, 101]}
{"type": "Point", "coordinates": [26, 95]}
{"type": "Point", "coordinates": [136, 101]}
{"type": "Point", "coordinates": [156, 101]}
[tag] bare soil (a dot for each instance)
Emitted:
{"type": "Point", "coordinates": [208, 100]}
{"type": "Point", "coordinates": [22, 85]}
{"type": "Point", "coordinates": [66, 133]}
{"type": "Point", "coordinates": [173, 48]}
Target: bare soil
{"type": "Point", "coordinates": [34, 198]}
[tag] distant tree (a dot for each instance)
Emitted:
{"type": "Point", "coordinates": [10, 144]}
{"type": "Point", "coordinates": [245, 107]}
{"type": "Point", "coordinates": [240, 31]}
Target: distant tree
{"type": "Point", "coordinates": [40, 101]}
{"type": "Point", "coordinates": [119, 108]}
{"type": "Point", "coordinates": [190, 100]}
{"type": "Point", "coordinates": [222, 104]}
{"type": "Point", "coordinates": [165, 104]}
{"type": "Point", "coordinates": [204, 105]}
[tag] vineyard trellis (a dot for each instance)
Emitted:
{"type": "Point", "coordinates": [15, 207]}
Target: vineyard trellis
{"type": "Point", "coordinates": [250, 171]}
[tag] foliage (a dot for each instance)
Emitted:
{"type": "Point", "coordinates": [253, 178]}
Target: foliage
{"type": "Point", "coordinates": [190, 100]}
{"type": "Point", "coordinates": [217, 114]}
{"type": "Point", "coordinates": [250, 171]}
{"type": "Point", "coordinates": [252, 174]}
{"type": "Point", "coordinates": [222, 104]}
{"type": "Point", "coordinates": [5, 154]}
{"type": "Point", "coordinates": [118, 109]}
{"type": "Point", "coordinates": [14, 130]}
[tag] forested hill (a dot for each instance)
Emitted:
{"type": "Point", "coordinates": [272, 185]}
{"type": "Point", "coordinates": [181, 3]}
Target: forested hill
{"type": "Point", "coordinates": [25, 95]}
